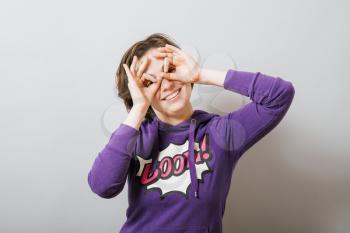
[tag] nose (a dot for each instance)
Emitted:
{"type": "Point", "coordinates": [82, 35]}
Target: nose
{"type": "Point", "coordinates": [167, 85]}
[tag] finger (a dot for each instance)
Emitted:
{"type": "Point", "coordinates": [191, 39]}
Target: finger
{"type": "Point", "coordinates": [172, 48]}
{"type": "Point", "coordinates": [171, 59]}
{"type": "Point", "coordinates": [168, 51]}
{"type": "Point", "coordinates": [170, 76]}
{"type": "Point", "coordinates": [169, 55]}
{"type": "Point", "coordinates": [133, 65]}
{"type": "Point", "coordinates": [131, 80]}
{"type": "Point", "coordinates": [166, 65]}
{"type": "Point", "coordinates": [143, 67]}
{"type": "Point", "coordinates": [164, 50]}
{"type": "Point", "coordinates": [150, 77]}
{"type": "Point", "coordinates": [161, 54]}
{"type": "Point", "coordinates": [155, 86]}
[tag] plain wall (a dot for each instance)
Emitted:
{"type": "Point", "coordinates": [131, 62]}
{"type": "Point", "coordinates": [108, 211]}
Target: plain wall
{"type": "Point", "coordinates": [58, 106]}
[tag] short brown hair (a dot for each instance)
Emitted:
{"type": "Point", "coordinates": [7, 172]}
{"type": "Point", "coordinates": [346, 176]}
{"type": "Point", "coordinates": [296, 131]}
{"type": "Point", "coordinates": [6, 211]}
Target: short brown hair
{"type": "Point", "coordinates": [138, 49]}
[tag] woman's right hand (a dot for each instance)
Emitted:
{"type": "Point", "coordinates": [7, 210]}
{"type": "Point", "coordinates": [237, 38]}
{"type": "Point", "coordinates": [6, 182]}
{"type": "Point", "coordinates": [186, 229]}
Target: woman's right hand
{"type": "Point", "coordinates": [141, 95]}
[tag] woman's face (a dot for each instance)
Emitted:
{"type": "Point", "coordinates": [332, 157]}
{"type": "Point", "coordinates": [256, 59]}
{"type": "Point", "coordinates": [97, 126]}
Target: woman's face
{"type": "Point", "coordinates": [172, 96]}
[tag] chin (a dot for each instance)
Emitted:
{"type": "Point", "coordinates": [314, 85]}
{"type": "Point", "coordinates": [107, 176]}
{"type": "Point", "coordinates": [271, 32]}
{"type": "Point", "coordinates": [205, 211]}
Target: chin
{"type": "Point", "coordinates": [172, 109]}
{"type": "Point", "coordinates": [175, 108]}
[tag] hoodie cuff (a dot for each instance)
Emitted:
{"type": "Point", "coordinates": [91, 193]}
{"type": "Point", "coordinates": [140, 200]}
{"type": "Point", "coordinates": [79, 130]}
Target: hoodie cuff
{"type": "Point", "coordinates": [123, 139]}
{"type": "Point", "coordinates": [239, 81]}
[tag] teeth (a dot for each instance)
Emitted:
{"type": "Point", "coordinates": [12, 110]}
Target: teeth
{"type": "Point", "coordinates": [172, 95]}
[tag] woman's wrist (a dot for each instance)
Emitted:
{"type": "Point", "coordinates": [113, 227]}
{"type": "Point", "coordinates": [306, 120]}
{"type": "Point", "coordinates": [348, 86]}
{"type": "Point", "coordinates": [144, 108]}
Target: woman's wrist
{"type": "Point", "coordinates": [142, 108]}
{"type": "Point", "coordinates": [212, 77]}
{"type": "Point", "coordinates": [136, 116]}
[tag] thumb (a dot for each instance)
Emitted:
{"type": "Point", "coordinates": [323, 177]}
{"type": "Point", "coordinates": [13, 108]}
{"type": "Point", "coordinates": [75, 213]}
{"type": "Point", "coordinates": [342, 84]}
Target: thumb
{"type": "Point", "coordinates": [154, 87]}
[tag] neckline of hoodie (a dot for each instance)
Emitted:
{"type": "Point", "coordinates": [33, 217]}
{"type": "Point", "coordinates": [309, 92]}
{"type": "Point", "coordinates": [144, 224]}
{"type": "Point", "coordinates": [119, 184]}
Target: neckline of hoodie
{"type": "Point", "coordinates": [178, 127]}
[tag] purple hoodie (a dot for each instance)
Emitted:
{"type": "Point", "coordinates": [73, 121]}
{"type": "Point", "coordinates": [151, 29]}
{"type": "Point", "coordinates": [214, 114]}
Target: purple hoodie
{"type": "Point", "coordinates": [179, 176]}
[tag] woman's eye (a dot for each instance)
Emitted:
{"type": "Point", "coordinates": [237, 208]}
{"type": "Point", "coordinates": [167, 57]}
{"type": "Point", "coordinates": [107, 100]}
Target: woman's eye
{"type": "Point", "coordinates": [146, 82]}
{"type": "Point", "coordinates": [171, 69]}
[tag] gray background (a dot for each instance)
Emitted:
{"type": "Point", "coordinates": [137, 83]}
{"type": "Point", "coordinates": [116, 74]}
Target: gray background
{"type": "Point", "coordinates": [58, 105]}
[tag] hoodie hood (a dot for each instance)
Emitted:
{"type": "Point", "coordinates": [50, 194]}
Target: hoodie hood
{"type": "Point", "coordinates": [188, 128]}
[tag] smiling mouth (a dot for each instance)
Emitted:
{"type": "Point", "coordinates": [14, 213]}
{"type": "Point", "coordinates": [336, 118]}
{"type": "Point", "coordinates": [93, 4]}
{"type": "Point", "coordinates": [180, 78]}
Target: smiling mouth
{"type": "Point", "coordinates": [173, 95]}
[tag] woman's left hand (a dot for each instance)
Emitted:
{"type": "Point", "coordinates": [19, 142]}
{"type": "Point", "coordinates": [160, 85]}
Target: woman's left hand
{"type": "Point", "coordinates": [186, 69]}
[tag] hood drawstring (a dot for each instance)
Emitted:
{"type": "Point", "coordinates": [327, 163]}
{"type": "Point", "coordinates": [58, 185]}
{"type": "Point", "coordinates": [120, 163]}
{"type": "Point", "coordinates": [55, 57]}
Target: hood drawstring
{"type": "Point", "coordinates": [155, 151]}
{"type": "Point", "coordinates": [191, 154]}
{"type": "Point", "coordinates": [192, 159]}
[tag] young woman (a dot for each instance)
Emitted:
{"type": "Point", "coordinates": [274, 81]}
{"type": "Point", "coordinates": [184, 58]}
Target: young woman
{"type": "Point", "coordinates": [179, 161]}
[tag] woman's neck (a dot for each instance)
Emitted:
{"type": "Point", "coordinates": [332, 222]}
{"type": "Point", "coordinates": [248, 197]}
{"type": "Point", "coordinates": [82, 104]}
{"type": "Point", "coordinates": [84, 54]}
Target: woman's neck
{"type": "Point", "coordinates": [178, 117]}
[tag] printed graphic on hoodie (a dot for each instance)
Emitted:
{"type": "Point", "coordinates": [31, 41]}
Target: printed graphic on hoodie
{"type": "Point", "coordinates": [172, 172]}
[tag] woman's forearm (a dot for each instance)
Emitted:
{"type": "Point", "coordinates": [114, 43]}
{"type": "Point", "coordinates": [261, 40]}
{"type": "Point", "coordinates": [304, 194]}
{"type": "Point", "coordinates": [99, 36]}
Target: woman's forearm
{"type": "Point", "coordinates": [271, 97]}
{"type": "Point", "coordinates": [212, 77]}
{"type": "Point", "coordinates": [109, 171]}
{"type": "Point", "coordinates": [135, 117]}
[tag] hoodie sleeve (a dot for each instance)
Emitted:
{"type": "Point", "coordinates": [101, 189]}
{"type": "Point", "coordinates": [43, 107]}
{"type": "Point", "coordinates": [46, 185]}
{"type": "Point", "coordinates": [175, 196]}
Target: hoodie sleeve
{"type": "Point", "coordinates": [270, 98]}
{"type": "Point", "coordinates": [109, 171]}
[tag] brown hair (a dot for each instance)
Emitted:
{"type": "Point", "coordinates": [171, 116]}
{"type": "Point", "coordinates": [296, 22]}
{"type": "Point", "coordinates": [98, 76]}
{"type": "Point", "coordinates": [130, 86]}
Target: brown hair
{"type": "Point", "coordinates": [138, 49]}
